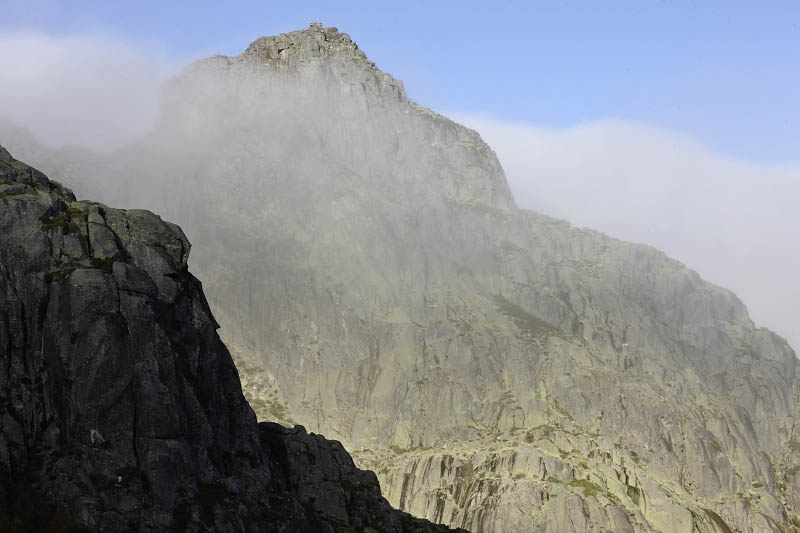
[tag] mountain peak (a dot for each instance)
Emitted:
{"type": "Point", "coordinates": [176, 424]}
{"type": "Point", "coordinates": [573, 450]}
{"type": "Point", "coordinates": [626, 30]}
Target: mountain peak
{"type": "Point", "coordinates": [320, 49]}
{"type": "Point", "coordinates": [315, 41]}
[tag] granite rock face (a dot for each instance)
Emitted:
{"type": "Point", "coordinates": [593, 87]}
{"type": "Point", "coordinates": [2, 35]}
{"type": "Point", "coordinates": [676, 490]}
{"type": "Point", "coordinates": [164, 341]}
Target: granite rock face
{"type": "Point", "coordinates": [120, 408]}
{"type": "Point", "coordinates": [498, 369]}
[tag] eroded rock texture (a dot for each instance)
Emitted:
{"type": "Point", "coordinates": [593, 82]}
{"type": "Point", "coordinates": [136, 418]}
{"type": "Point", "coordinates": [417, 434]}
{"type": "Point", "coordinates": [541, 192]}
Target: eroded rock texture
{"type": "Point", "coordinates": [120, 408]}
{"type": "Point", "coordinates": [498, 369]}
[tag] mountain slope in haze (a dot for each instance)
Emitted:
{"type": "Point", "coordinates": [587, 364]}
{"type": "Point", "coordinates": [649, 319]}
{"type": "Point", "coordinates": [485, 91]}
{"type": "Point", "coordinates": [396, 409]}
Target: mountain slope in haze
{"type": "Point", "coordinates": [498, 369]}
{"type": "Point", "coordinates": [120, 408]}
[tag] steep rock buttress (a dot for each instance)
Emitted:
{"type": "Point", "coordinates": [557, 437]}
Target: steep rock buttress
{"type": "Point", "coordinates": [120, 408]}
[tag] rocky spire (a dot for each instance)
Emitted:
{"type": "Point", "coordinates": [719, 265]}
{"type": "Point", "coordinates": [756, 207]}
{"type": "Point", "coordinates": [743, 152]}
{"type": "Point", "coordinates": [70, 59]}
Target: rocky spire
{"type": "Point", "coordinates": [322, 49]}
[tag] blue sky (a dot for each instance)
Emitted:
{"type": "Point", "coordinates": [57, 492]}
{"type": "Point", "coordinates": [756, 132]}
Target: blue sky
{"type": "Point", "coordinates": [724, 72]}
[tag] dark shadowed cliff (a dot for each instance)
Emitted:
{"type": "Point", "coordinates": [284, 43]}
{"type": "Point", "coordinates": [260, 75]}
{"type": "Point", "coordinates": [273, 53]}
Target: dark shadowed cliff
{"type": "Point", "coordinates": [120, 408]}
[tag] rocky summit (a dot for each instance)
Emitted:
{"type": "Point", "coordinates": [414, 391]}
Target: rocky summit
{"type": "Point", "coordinates": [121, 409]}
{"type": "Point", "coordinates": [498, 369]}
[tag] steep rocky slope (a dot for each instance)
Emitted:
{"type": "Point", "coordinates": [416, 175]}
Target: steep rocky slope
{"type": "Point", "coordinates": [120, 408]}
{"type": "Point", "coordinates": [498, 369]}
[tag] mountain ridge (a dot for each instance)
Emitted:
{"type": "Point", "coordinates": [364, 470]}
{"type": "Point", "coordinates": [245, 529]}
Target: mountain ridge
{"type": "Point", "coordinates": [499, 369]}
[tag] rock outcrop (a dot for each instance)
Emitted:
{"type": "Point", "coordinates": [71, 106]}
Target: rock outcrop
{"type": "Point", "coordinates": [500, 370]}
{"type": "Point", "coordinates": [120, 408]}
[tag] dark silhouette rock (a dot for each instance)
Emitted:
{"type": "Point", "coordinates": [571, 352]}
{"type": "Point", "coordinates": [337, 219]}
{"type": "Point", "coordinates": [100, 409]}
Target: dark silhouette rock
{"type": "Point", "coordinates": [120, 408]}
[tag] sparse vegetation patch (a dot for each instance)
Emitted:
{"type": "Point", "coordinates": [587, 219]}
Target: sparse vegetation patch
{"type": "Point", "coordinates": [530, 326]}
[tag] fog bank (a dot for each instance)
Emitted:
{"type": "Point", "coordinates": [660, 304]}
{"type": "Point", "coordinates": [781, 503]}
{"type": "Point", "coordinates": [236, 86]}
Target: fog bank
{"type": "Point", "coordinates": [97, 91]}
{"type": "Point", "coordinates": [734, 222]}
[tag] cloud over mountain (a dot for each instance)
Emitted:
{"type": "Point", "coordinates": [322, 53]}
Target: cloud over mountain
{"type": "Point", "coordinates": [96, 90]}
{"type": "Point", "coordinates": [733, 221]}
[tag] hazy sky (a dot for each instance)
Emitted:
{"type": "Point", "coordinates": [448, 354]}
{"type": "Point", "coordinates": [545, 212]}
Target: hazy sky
{"type": "Point", "coordinates": [671, 123]}
{"type": "Point", "coordinates": [723, 71]}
